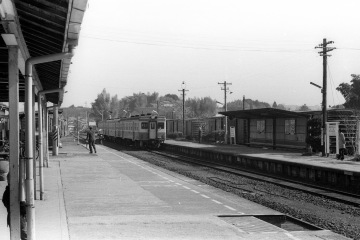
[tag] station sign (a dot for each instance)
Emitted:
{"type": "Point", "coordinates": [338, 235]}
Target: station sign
{"type": "Point", "coordinates": [332, 129]}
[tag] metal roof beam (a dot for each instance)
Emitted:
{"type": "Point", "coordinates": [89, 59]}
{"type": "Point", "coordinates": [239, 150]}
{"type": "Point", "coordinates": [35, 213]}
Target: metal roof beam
{"type": "Point", "coordinates": [42, 38]}
{"type": "Point", "coordinates": [40, 26]}
{"type": "Point", "coordinates": [60, 6]}
{"type": "Point", "coordinates": [33, 7]}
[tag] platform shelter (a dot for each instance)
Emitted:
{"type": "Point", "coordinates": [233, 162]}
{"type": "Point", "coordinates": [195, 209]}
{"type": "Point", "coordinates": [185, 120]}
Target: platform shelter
{"type": "Point", "coordinates": [269, 127]}
{"type": "Point", "coordinates": [38, 39]}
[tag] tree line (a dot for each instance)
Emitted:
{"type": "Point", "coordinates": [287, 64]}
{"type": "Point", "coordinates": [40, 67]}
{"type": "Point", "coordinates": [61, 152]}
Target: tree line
{"type": "Point", "coordinates": [171, 105]}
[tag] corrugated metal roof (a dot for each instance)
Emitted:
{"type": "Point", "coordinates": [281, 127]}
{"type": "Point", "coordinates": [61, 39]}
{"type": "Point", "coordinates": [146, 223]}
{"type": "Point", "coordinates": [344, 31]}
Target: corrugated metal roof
{"type": "Point", "coordinates": [263, 113]}
{"type": "Point", "coordinates": [44, 27]}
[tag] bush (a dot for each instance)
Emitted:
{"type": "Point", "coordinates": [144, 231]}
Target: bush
{"type": "Point", "coordinates": [214, 136]}
{"type": "Point", "coordinates": [174, 135]}
{"type": "Point", "coordinates": [189, 138]}
{"type": "Point", "coordinates": [314, 134]}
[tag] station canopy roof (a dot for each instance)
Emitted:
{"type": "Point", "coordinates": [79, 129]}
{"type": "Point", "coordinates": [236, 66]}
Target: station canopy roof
{"type": "Point", "coordinates": [41, 27]}
{"type": "Point", "coordinates": [263, 113]}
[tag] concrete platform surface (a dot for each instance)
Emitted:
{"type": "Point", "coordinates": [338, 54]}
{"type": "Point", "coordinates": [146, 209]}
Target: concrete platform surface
{"type": "Point", "coordinates": [279, 155]}
{"type": "Point", "coordinates": [111, 195]}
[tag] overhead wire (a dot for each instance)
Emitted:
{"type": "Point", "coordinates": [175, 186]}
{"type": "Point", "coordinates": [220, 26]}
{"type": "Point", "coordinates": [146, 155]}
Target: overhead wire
{"type": "Point", "coordinates": [199, 47]}
{"type": "Point", "coordinates": [200, 36]}
{"type": "Point", "coordinates": [333, 86]}
{"type": "Point", "coordinates": [356, 49]}
{"type": "Point", "coordinates": [163, 39]}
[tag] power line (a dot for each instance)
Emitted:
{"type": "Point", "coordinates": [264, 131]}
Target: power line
{"type": "Point", "coordinates": [356, 49]}
{"type": "Point", "coordinates": [185, 37]}
{"type": "Point", "coordinates": [214, 47]}
{"type": "Point", "coordinates": [331, 83]}
{"type": "Point", "coordinates": [331, 79]}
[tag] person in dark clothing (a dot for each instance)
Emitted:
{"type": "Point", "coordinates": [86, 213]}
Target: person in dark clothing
{"type": "Point", "coordinates": [200, 134]}
{"type": "Point", "coordinates": [91, 139]}
{"type": "Point", "coordinates": [342, 145]}
{"type": "Point", "coordinates": [6, 202]}
{"type": "Point", "coordinates": [23, 220]}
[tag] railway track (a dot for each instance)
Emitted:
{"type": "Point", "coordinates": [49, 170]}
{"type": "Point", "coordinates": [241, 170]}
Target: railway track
{"type": "Point", "coordinates": [333, 194]}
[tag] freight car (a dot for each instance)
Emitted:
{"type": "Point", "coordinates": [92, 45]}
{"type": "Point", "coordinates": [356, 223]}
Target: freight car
{"type": "Point", "coordinates": [191, 129]}
{"type": "Point", "coordinates": [140, 130]}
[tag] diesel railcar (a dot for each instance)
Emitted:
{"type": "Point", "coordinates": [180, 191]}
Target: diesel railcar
{"type": "Point", "coordinates": [140, 130]}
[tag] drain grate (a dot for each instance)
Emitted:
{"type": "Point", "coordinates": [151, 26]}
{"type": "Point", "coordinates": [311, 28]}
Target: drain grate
{"type": "Point", "coordinates": [268, 223]}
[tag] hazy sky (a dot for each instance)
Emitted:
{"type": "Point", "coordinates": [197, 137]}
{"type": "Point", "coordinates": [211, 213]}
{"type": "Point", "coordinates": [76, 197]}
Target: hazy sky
{"type": "Point", "coordinates": [264, 48]}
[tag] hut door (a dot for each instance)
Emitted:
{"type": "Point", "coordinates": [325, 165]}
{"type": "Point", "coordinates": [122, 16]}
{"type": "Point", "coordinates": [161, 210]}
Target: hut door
{"type": "Point", "coordinates": [240, 131]}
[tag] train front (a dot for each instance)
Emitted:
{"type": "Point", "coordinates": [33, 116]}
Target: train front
{"type": "Point", "coordinates": [161, 130]}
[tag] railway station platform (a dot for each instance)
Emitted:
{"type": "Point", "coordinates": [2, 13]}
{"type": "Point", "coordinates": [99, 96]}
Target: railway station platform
{"type": "Point", "coordinates": [323, 170]}
{"type": "Point", "coordinates": [111, 195]}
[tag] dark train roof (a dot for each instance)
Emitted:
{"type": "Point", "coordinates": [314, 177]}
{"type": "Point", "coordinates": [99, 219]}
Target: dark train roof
{"type": "Point", "coordinates": [41, 27]}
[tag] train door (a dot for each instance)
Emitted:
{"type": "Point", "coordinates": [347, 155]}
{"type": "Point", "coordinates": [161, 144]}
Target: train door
{"type": "Point", "coordinates": [133, 129]}
{"type": "Point", "coordinates": [152, 130]}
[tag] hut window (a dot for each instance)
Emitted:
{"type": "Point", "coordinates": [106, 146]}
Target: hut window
{"type": "Point", "coordinates": [260, 126]}
{"type": "Point", "coordinates": [290, 126]}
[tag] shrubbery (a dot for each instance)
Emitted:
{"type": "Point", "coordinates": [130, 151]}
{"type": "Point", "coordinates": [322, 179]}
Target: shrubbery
{"type": "Point", "coordinates": [214, 136]}
{"type": "Point", "coordinates": [189, 138]}
{"type": "Point", "coordinates": [314, 134]}
{"type": "Point", "coordinates": [175, 135]}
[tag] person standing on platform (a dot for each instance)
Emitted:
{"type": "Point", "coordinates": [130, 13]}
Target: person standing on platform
{"type": "Point", "coordinates": [91, 139]}
{"type": "Point", "coordinates": [200, 134]}
{"type": "Point", "coordinates": [23, 220]}
{"type": "Point", "coordinates": [342, 145]}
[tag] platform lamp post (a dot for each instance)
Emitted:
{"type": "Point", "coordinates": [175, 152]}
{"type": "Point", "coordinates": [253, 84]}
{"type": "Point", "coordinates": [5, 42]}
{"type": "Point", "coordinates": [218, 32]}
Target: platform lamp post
{"type": "Point", "coordinates": [101, 112]}
{"type": "Point", "coordinates": [226, 89]}
{"type": "Point", "coordinates": [183, 90]}
{"type": "Point", "coordinates": [324, 116]}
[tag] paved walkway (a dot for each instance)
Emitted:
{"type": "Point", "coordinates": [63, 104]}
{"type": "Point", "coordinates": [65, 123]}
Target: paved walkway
{"type": "Point", "coordinates": [110, 195]}
{"type": "Point", "coordinates": [280, 155]}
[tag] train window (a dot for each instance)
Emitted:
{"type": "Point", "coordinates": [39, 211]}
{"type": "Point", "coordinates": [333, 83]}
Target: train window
{"type": "Point", "coordinates": [144, 125]}
{"type": "Point", "coordinates": [152, 125]}
{"type": "Point", "coordinates": [160, 125]}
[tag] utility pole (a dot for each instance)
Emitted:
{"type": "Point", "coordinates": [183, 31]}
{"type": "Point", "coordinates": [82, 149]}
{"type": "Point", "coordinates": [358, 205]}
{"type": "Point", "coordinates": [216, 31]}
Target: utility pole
{"type": "Point", "coordinates": [243, 102]}
{"type": "Point", "coordinates": [225, 107]}
{"type": "Point", "coordinates": [183, 90]}
{"type": "Point", "coordinates": [323, 53]}
{"type": "Point", "coordinates": [78, 129]}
